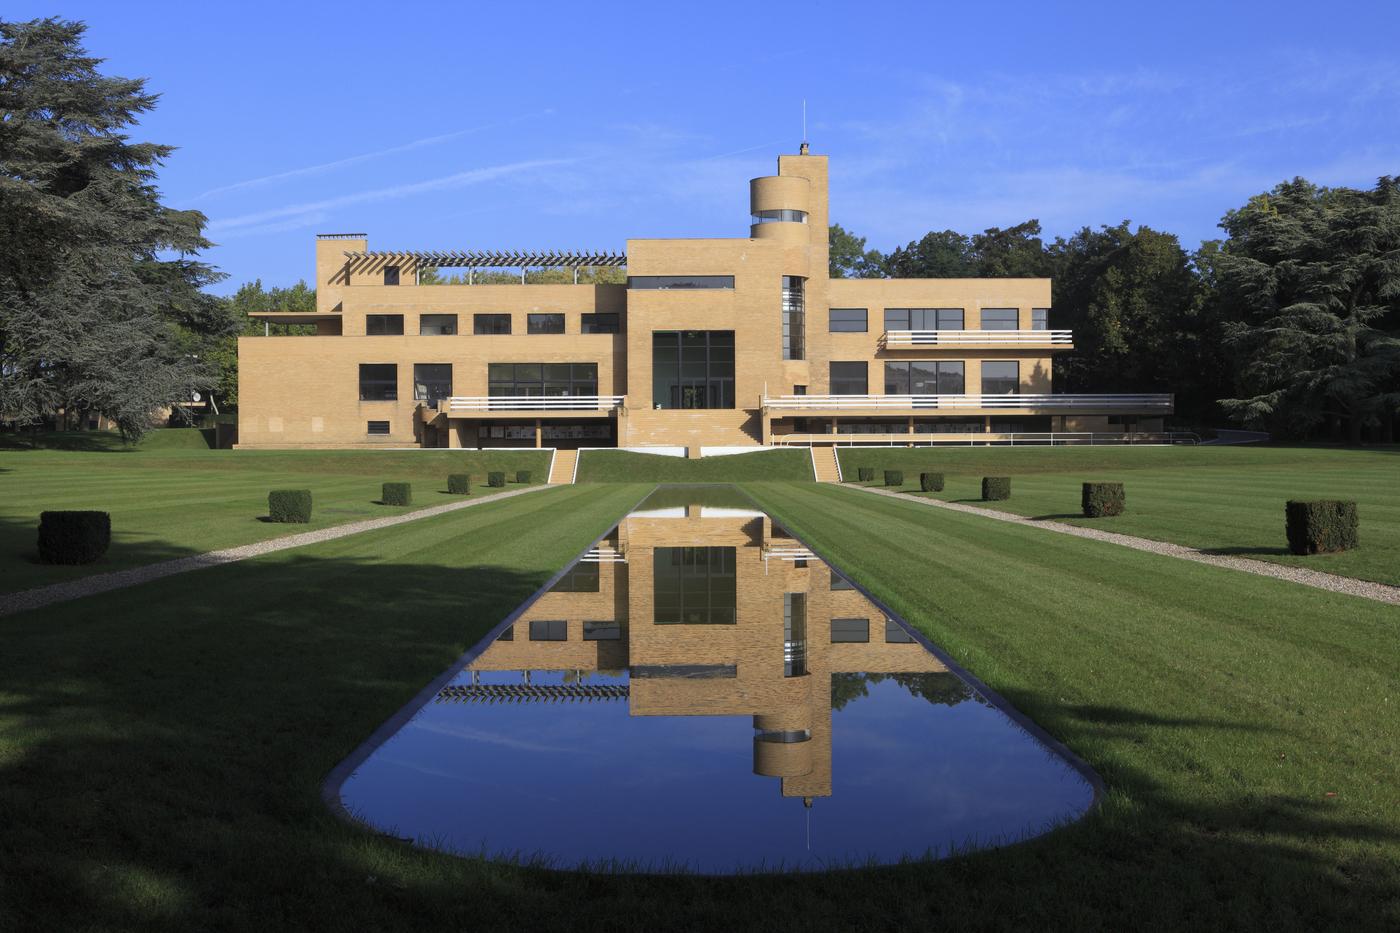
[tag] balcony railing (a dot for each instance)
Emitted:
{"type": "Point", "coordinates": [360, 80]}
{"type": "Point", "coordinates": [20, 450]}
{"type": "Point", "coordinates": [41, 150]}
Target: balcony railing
{"type": "Point", "coordinates": [918, 339]}
{"type": "Point", "coordinates": [533, 403]}
{"type": "Point", "coordinates": [980, 439]}
{"type": "Point", "coordinates": [1137, 403]}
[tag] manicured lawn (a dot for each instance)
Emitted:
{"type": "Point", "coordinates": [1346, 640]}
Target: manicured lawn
{"type": "Point", "coordinates": [172, 501]}
{"type": "Point", "coordinates": [161, 759]}
{"type": "Point", "coordinates": [623, 466]}
{"type": "Point", "coordinates": [1224, 499]}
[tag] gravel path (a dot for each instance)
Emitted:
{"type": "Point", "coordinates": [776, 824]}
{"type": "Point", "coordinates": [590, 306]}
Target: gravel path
{"type": "Point", "coordinates": [1380, 592]}
{"type": "Point", "coordinates": [25, 600]}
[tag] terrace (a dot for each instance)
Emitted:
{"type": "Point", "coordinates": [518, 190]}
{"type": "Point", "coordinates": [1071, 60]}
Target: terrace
{"type": "Point", "coordinates": [977, 339]}
{"type": "Point", "coordinates": [1089, 404]}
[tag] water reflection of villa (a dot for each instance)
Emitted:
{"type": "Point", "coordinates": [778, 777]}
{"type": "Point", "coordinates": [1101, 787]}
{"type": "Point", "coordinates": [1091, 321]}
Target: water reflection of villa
{"type": "Point", "coordinates": [710, 611]}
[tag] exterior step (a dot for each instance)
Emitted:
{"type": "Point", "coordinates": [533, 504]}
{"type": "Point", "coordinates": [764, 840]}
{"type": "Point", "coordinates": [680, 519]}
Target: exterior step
{"type": "Point", "coordinates": [825, 465]}
{"type": "Point", "coordinates": [562, 473]}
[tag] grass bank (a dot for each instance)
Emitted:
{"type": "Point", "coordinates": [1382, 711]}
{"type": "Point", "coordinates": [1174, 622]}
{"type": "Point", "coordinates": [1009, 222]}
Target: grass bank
{"type": "Point", "coordinates": [623, 466]}
{"type": "Point", "coordinates": [1227, 500]}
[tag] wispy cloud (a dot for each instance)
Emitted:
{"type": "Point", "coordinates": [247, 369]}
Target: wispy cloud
{"type": "Point", "coordinates": [314, 211]}
{"type": "Point", "coordinates": [325, 167]}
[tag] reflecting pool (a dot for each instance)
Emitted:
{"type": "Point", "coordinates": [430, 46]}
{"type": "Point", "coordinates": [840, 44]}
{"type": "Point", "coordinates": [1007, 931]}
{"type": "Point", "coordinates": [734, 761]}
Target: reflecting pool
{"type": "Point", "coordinates": [700, 692]}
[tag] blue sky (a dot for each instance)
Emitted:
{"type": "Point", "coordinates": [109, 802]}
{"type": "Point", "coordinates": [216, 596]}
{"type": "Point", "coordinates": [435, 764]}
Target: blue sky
{"type": "Point", "coordinates": [499, 125]}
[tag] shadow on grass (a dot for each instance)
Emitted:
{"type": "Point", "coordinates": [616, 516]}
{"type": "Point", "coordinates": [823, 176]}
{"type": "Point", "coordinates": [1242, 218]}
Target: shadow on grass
{"type": "Point", "coordinates": [1247, 551]}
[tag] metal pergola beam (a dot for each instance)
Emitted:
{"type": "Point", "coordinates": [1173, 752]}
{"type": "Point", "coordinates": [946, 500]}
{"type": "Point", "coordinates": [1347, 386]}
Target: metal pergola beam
{"type": "Point", "coordinates": [494, 259]}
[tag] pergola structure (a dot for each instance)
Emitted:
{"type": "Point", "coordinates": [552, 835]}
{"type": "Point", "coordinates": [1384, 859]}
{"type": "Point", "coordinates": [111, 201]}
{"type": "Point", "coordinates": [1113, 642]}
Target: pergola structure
{"type": "Point", "coordinates": [471, 260]}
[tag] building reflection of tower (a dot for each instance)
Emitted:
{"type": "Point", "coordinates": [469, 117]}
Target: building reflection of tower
{"type": "Point", "coordinates": [713, 611]}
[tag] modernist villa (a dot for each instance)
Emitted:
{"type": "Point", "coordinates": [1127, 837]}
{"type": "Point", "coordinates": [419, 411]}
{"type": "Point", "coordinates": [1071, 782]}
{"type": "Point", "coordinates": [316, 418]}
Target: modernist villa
{"type": "Point", "coordinates": [710, 345]}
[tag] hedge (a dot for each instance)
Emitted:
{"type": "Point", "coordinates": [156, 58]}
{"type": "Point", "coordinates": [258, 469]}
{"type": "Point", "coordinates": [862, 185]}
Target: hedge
{"type": "Point", "coordinates": [495, 478]}
{"type": "Point", "coordinates": [894, 477]}
{"type": "Point", "coordinates": [996, 487]}
{"type": "Point", "coordinates": [1102, 499]}
{"type": "Point", "coordinates": [1321, 527]}
{"type": "Point", "coordinates": [931, 482]}
{"type": "Point", "coordinates": [522, 476]}
{"type": "Point", "coordinates": [73, 537]}
{"type": "Point", "coordinates": [865, 474]}
{"type": "Point", "coordinates": [459, 484]}
{"type": "Point", "coordinates": [397, 494]}
{"type": "Point", "coordinates": [289, 505]}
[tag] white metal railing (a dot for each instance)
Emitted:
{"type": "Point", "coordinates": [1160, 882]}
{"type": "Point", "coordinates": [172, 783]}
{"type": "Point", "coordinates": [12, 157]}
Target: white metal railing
{"type": "Point", "coordinates": [604, 555]}
{"type": "Point", "coordinates": [533, 402]}
{"type": "Point", "coordinates": [979, 439]}
{"type": "Point", "coordinates": [1144, 403]}
{"type": "Point", "coordinates": [895, 339]}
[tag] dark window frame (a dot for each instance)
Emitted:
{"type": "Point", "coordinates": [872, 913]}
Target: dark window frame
{"type": "Point", "coordinates": [681, 282]}
{"type": "Point", "coordinates": [589, 323]}
{"type": "Point", "coordinates": [549, 630]}
{"type": "Point", "coordinates": [925, 319]}
{"type": "Point", "coordinates": [842, 638]}
{"type": "Point", "coordinates": [492, 318]}
{"type": "Point", "coordinates": [794, 317]}
{"type": "Point", "coordinates": [422, 386]}
{"type": "Point", "coordinates": [695, 585]}
{"type": "Point", "coordinates": [383, 325]}
{"type": "Point", "coordinates": [1040, 318]}
{"type": "Point", "coordinates": [535, 322]}
{"type": "Point", "coordinates": [832, 320]}
{"type": "Point", "coordinates": [692, 369]}
{"type": "Point", "coordinates": [377, 376]}
{"type": "Point", "coordinates": [613, 628]}
{"type": "Point", "coordinates": [437, 331]}
{"type": "Point", "coordinates": [371, 429]}
{"type": "Point", "coordinates": [941, 385]}
{"type": "Point", "coordinates": [1016, 380]}
{"type": "Point", "coordinates": [840, 385]}
{"type": "Point", "coordinates": [1008, 316]}
{"type": "Point", "coordinates": [542, 380]}
{"type": "Point", "coordinates": [391, 275]}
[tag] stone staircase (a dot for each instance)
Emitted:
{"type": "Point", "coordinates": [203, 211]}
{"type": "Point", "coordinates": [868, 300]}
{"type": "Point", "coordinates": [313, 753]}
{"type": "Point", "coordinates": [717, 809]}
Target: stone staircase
{"type": "Point", "coordinates": [825, 465]}
{"type": "Point", "coordinates": [562, 473]}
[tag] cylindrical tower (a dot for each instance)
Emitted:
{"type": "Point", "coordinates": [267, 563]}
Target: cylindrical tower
{"type": "Point", "coordinates": [780, 205]}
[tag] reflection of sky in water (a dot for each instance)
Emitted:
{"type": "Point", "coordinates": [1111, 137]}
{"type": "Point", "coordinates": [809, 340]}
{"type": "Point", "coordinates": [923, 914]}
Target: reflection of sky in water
{"type": "Point", "coordinates": [586, 781]}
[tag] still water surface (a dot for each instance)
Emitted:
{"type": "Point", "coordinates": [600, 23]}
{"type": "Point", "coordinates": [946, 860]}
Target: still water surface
{"type": "Point", "coordinates": [702, 693]}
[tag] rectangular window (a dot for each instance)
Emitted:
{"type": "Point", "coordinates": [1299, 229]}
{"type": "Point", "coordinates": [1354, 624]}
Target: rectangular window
{"type": "Point", "coordinates": [602, 631]}
{"type": "Point", "coordinates": [924, 377]}
{"type": "Point", "coordinates": [680, 281]}
{"type": "Point", "coordinates": [847, 321]}
{"type": "Point", "coordinates": [583, 577]}
{"type": "Point", "coordinates": [379, 382]}
{"type": "Point", "coordinates": [1000, 319]}
{"type": "Point", "coordinates": [437, 324]}
{"type": "Point", "coordinates": [507, 635]}
{"type": "Point", "coordinates": [602, 323]}
{"type": "Point", "coordinates": [432, 381]}
{"type": "Point", "coordinates": [391, 275]}
{"type": "Point", "coordinates": [895, 633]}
{"type": "Point", "coordinates": [490, 323]}
{"type": "Point", "coordinates": [794, 634]}
{"type": "Point", "coordinates": [794, 318]}
{"type": "Point", "coordinates": [692, 368]}
{"type": "Point", "coordinates": [923, 319]}
{"type": "Point", "coordinates": [544, 324]}
{"type": "Point", "coordinates": [542, 379]}
{"type": "Point", "coordinates": [850, 630]}
{"type": "Point", "coordinates": [377, 428]}
{"type": "Point", "coordinates": [383, 324]}
{"type": "Point", "coordinates": [1040, 318]}
{"type": "Point", "coordinates": [850, 378]}
{"type": "Point", "coordinates": [1001, 377]}
{"type": "Point", "coordinates": [549, 630]}
{"type": "Point", "coordinates": [839, 582]}
{"type": "Point", "coordinates": [694, 585]}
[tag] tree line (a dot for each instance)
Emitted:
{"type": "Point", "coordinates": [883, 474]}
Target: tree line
{"type": "Point", "coordinates": [1290, 322]}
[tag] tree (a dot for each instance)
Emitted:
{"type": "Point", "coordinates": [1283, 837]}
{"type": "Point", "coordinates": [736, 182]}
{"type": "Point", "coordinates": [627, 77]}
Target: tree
{"type": "Point", "coordinates": [849, 259]}
{"type": "Point", "coordinates": [1015, 252]}
{"type": "Point", "coordinates": [1314, 276]}
{"type": "Point", "coordinates": [943, 255]}
{"type": "Point", "coordinates": [100, 292]}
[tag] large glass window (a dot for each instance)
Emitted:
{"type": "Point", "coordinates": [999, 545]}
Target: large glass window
{"type": "Point", "coordinates": [692, 368]}
{"type": "Point", "coordinates": [549, 630]}
{"type": "Point", "coordinates": [609, 322]}
{"type": "Point", "coordinates": [490, 323]}
{"type": "Point", "coordinates": [1001, 377]}
{"type": "Point", "coordinates": [924, 377]}
{"type": "Point", "coordinates": [544, 324]}
{"type": "Point", "coordinates": [432, 381]}
{"type": "Point", "coordinates": [923, 319]}
{"type": "Point", "coordinates": [1000, 319]}
{"type": "Point", "coordinates": [850, 630]}
{"type": "Point", "coordinates": [680, 281]}
{"type": "Point", "coordinates": [794, 318]}
{"type": "Point", "coordinates": [847, 321]}
{"type": "Point", "coordinates": [781, 215]}
{"type": "Point", "coordinates": [542, 379]}
{"type": "Point", "coordinates": [379, 382]}
{"type": "Point", "coordinates": [694, 585]}
{"type": "Point", "coordinates": [850, 378]}
{"type": "Point", "coordinates": [437, 324]}
{"type": "Point", "coordinates": [1040, 318]}
{"type": "Point", "coordinates": [383, 324]}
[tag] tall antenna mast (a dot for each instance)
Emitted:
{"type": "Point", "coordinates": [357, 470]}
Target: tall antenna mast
{"type": "Point", "coordinates": [803, 149]}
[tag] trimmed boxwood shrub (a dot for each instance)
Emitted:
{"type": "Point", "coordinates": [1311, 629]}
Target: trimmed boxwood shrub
{"type": "Point", "coordinates": [459, 484]}
{"type": "Point", "coordinates": [495, 479]}
{"type": "Point", "coordinates": [73, 537]}
{"type": "Point", "coordinates": [289, 505]}
{"type": "Point", "coordinates": [397, 494]}
{"type": "Point", "coordinates": [894, 477]}
{"type": "Point", "coordinates": [1321, 527]}
{"type": "Point", "coordinates": [522, 476]}
{"type": "Point", "coordinates": [931, 482]}
{"type": "Point", "coordinates": [1103, 499]}
{"type": "Point", "coordinates": [865, 474]}
{"type": "Point", "coordinates": [996, 487]}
